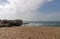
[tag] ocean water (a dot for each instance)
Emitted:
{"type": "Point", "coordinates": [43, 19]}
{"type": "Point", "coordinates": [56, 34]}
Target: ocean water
{"type": "Point", "coordinates": [42, 23]}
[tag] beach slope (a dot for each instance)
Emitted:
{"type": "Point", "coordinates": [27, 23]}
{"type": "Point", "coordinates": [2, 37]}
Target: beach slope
{"type": "Point", "coordinates": [30, 32]}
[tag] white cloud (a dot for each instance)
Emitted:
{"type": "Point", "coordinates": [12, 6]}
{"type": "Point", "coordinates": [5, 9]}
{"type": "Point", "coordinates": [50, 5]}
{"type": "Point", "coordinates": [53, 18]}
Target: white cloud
{"type": "Point", "coordinates": [50, 0]}
{"type": "Point", "coordinates": [53, 17]}
{"type": "Point", "coordinates": [22, 9]}
{"type": "Point", "coordinates": [50, 17]}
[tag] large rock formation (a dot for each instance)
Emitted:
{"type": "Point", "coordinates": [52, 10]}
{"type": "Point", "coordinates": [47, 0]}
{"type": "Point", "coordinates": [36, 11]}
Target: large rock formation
{"type": "Point", "coordinates": [9, 23]}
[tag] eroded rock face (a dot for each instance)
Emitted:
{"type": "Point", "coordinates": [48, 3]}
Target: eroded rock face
{"type": "Point", "coordinates": [9, 23]}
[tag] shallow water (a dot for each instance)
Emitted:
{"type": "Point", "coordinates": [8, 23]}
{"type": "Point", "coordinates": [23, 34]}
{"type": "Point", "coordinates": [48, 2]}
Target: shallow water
{"type": "Point", "coordinates": [42, 23]}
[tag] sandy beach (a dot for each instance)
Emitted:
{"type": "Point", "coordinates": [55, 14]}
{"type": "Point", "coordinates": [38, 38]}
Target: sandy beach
{"type": "Point", "coordinates": [29, 32]}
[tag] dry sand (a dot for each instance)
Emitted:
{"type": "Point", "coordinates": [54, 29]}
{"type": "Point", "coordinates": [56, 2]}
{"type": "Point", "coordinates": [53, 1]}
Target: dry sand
{"type": "Point", "coordinates": [30, 33]}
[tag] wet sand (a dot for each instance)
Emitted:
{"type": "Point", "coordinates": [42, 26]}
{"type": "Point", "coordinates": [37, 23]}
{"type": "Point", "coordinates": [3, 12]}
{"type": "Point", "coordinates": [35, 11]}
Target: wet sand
{"type": "Point", "coordinates": [30, 32]}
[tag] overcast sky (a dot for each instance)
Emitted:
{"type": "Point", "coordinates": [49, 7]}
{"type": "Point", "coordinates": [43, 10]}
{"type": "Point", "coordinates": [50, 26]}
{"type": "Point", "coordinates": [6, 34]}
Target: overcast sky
{"type": "Point", "coordinates": [30, 10]}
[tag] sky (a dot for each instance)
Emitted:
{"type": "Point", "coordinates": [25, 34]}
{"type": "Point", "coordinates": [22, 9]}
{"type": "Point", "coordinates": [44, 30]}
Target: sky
{"type": "Point", "coordinates": [30, 10]}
